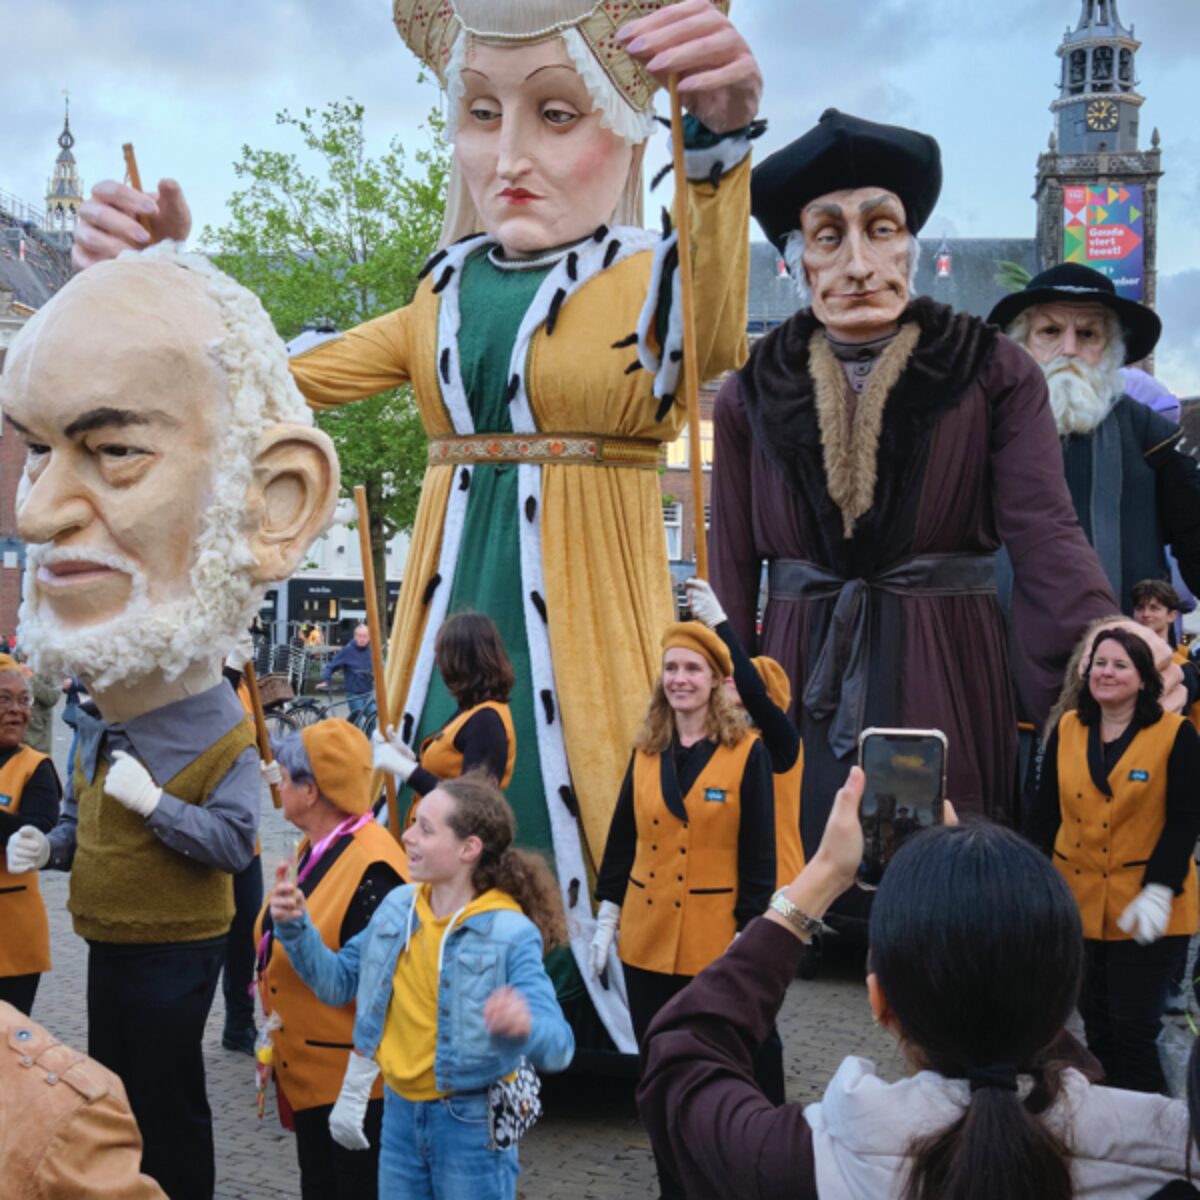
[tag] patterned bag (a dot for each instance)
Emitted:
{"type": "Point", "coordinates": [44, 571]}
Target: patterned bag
{"type": "Point", "coordinates": [514, 1106]}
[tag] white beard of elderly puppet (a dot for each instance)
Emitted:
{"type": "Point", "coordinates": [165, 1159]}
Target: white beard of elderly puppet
{"type": "Point", "coordinates": [171, 472]}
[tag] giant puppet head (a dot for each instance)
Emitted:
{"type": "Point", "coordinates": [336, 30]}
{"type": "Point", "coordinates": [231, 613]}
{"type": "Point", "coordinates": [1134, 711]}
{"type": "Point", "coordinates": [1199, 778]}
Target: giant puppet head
{"type": "Point", "coordinates": [1071, 319]}
{"type": "Point", "coordinates": [172, 470]}
{"type": "Point", "coordinates": [548, 113]}
{"type": "Point", "coordinates": [843, 204]}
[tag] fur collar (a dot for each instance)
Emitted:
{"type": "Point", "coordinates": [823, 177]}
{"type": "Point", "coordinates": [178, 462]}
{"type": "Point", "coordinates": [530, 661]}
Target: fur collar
{"type": "Point", "coordinates": [793, 390]}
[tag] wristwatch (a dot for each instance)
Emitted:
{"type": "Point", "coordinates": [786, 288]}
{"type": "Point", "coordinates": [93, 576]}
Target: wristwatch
{"type": "Point", "coordinates": [797, 918]}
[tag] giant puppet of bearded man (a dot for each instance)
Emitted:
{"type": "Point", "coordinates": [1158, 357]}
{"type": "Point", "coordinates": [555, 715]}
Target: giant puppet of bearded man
{"type": "Point", "coordinates": [875, 451]}
{"type": "Point", "coordinates": [171, 472]}
{"type": "Point", "coordinates": [544, 347]}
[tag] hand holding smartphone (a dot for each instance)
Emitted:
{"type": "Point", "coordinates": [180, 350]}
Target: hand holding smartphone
{"type": "Point", "coordinates": [905, 773]}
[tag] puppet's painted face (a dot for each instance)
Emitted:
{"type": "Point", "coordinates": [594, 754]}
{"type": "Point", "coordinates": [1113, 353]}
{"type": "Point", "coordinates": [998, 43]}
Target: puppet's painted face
{"type": "Point", "coordinates": [540, 168]}
{"type": "Point", "coordinates": [116, 399]}
{"type": "Point", "coordinates": [856, 259]}
{"type": "Point", "coordinates": [1068, 331]}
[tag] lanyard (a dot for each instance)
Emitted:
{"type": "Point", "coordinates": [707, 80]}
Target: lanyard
{"type": "Point", "coordinates": [350, 825]}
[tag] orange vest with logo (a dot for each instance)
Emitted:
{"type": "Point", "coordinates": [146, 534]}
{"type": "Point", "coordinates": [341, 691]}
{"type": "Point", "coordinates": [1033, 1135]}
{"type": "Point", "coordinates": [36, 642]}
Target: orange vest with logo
{"type": "Point", "coordinates": [24, 929]}
{"type": "Point", "coordinates": [678, 911]}
{"type": "Point", "coordinates": [311, 1046]}
{"type": "Point", "coordinates": [1104, 842]}
{"type": "Point", "coordinates": [439, 756]}
{"type": "Point", "coordinates": [789, 850]}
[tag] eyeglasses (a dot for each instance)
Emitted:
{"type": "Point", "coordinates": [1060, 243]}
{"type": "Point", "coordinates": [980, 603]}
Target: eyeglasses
{"type": "Point", "coordinates": [7, 700]}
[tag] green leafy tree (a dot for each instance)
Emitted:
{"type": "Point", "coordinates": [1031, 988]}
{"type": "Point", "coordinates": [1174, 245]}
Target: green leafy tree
{"type": "Point", "coordinates": [342, 244]}
{"type": "Point", "coordinates": [1011, 276]}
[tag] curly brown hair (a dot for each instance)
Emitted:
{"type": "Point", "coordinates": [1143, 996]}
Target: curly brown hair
{"type": "Point", "coordinates": [470, 655]}
{"type": "Point", "coordinates": [725, 720]}
{"type": "Point", "coordinates": [481, 811]}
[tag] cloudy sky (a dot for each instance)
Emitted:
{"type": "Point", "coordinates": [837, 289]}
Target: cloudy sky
{"type": "Point", "coordinates": [189, 84]}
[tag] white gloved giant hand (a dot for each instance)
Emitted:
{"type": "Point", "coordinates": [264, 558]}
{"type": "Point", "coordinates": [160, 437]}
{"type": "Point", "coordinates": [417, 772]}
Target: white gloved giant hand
{"type": "Point", "coordinates": [350, 1110]}
{"type": "Point", "coordinates": [602, 940]}
{"type": "Point", "coordinates": [703, 602]}
{"type": "Point", "coordinates": [129, 783]}
{"type": "Point", "coordinates": [1148, 914]}
{"type": "Point", "coordinates": [271, 772]}
{"type": "Point", "coordinates": [388, 758]}
{"type": "Point", "coordinates": [28, 850]}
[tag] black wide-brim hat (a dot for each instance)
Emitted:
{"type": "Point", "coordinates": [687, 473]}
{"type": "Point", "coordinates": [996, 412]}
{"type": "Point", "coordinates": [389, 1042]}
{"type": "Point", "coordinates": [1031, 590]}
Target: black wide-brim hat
{"type": "Point", "coordinates": [1072, 283]}
{"type": "Point", "coordinates": [843, 152]}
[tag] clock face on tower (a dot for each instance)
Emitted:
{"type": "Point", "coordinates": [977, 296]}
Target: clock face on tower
{"type": "Point", "coordinates": [1103, 116]}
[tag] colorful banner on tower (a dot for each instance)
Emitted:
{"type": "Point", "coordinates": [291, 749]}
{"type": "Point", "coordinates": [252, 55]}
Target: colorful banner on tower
{"type": "Point", "coordinates": [1105, 228]}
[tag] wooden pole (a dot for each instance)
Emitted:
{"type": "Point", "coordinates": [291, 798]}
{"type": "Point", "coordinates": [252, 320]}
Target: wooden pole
{"type": "Point", "coordinates": [382, 718]}
{"type": "Point", "coordinates": [135, 182]}
{"type": "Point", "coordinates": [260, 725]}
{"type": "Point", "coordinates": [689, 367]}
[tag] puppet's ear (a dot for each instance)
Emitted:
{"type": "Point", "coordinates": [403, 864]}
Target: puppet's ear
{"type": "Point", "coordinates": [291, 498]}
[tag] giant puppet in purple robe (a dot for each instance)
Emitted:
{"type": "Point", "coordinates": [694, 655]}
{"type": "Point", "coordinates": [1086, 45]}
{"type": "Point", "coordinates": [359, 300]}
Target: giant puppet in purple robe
{"type": "Point", "coordinates": [875, 452]}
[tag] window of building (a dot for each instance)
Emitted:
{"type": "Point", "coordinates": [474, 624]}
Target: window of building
{"type": "Point", "coordinates": [706, 444]}
{"type": "Point", "coordinates": [677, 451]}
{"type": "Point", "coordinates": [673, 523]}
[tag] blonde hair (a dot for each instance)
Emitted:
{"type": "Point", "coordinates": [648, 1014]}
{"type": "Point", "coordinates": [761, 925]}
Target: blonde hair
{"type": "Point", "coordinates": [724, 720]}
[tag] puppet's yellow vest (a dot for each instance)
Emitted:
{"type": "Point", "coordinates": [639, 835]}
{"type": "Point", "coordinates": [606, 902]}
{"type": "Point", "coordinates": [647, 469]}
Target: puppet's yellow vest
{"type": "Point", "coordinates": [1104, 842]}
{"type": "Point", "coordinates": [126, 886]}
{"type": "Point", "coordinates": [24, 930]}
{"type": "Point", "coordinates": [314, 1040]}
{"type": "Point", "coordinates": [678, 910]}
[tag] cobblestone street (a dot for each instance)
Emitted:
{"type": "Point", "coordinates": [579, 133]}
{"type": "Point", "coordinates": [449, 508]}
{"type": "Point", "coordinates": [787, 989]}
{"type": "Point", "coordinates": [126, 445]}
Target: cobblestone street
{"type": "Point", "coordinates": [588, 1145]}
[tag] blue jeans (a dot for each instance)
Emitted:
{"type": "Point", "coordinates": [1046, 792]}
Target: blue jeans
{"type": "Point", "coordinates": [438, 1150]}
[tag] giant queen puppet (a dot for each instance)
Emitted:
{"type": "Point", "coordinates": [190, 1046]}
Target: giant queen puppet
{"type": "Point", "coordinates": [544, 350]}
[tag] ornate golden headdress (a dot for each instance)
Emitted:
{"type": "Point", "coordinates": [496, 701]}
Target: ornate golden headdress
{"type": "Point", "coordinates": [431, 27]}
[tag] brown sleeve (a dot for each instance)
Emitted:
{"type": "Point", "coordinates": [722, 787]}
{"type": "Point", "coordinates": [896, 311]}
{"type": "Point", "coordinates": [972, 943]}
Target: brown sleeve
{"type": "Point", "coordinates": [1058, 583]}
{"type": "Point", "coordinates": [698, 1099]}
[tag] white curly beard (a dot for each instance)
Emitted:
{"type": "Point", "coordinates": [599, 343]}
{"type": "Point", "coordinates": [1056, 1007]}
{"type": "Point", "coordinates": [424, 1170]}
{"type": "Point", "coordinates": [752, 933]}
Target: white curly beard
{"type": "Point", "coordinates": [1081, 396]}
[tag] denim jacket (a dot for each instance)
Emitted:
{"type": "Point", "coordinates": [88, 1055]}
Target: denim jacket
{"type": "Point", "coordinates": [480, 954]}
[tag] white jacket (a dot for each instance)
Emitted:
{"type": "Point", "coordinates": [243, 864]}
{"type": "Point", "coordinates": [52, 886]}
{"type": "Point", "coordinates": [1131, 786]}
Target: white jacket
{"type": "Point", "coordinates": [1125, 1144]}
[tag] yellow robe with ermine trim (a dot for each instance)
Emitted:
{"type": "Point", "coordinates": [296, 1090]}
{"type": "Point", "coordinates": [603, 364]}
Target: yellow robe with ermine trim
{"type": "Point", "coordinates": [608, 590]}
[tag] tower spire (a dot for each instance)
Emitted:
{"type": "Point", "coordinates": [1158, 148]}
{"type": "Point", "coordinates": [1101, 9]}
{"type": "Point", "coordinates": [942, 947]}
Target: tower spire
{"type": "Point", "coordinates": [64, 191]}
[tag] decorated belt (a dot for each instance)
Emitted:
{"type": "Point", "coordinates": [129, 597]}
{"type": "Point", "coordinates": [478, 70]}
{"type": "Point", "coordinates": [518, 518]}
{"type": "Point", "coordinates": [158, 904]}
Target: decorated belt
{"type": "Point", "coordinates": [546, 448]}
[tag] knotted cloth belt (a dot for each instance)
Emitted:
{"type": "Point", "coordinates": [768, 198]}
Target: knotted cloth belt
{"type": "Point", "coordinates": [837, 683]}
{"type": "Point", "coordinates": [546, 448]}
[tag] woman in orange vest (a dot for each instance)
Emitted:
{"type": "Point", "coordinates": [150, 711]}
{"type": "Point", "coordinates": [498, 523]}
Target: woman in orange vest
{"type": "Point", "coordinates": [29, 795]}
{"type": "Point", "coordinates": [1117, 808]}
{"type": "Point", "coordinates": [345, 865]}
{"type": "Point", "coordinates": [690, 856]}
{"type": "Point", "coordinates": [470, 657]}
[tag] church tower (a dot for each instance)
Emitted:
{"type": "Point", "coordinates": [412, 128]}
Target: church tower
{"type": "Point", "coordinates": [64, 192]}
{"type": "Point", "coordinates": [1097, 191]}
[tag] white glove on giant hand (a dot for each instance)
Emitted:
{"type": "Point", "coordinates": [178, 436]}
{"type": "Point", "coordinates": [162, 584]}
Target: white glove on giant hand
{"type": "Point", "coordinates": [350, 1110]}
{"type": "Point", "coordinates": [703, 602]}
{"type": "Point", "coordinates": [1148, 914]}
{"type": "Point", "coordinates": [28, 850]}
{"type": "Point", "coordinates": [271, 772]}
{"type": "Point", "coordinates": [132, 785]}
{"type": "Point", "coordinates": [388, 758]}
{"type": "Point", "coordinates": [602, 940]}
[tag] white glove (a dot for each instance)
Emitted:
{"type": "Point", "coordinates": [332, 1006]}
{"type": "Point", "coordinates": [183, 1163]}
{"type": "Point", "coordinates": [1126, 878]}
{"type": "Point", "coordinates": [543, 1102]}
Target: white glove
{"type": "Point", "coordinates": [394, 761]}
{"type": "Point", "coordinates": [394, 740]}
{"type": "Point", "coordinates": [129, 783]}
{"type": "Point", "coordinates": [271, 772]}
{"type": "Point", "coordinates": [350, 1110]}
{"type": "Point", "coordinates": [602, 939]}
{"type": "Point", "coordinates": [1148, 914]}
{"type": "Point", "coordinates": [28, 850]}
{"type": "Point", "coordinates": [703, 602]}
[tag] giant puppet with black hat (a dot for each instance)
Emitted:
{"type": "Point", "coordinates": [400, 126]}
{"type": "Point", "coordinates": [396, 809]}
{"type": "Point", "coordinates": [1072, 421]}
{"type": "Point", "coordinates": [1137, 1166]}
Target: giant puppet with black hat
{"type": "Point", "coordinates": [1135, 491]}
{"type": "Point", "coordinates": [875, 452]}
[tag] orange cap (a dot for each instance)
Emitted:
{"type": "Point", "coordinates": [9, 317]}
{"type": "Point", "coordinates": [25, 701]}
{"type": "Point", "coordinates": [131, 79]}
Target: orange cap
{"type": "Point", "coordinates": [340, 757]}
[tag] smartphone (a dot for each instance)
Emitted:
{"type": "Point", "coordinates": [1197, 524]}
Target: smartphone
{"type": "Point", "coordinates": [905, 787]}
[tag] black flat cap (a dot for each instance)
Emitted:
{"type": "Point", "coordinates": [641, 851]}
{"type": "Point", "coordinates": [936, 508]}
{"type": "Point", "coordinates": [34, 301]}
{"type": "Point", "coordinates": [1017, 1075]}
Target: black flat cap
{"type": "Point", "coordinates": [842, 152]}
{"type": "Point", "coordinates": [1073, 283]}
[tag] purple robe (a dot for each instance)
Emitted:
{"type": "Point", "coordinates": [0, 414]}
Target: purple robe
{"type": "Point", "coordinates": [968, 459]}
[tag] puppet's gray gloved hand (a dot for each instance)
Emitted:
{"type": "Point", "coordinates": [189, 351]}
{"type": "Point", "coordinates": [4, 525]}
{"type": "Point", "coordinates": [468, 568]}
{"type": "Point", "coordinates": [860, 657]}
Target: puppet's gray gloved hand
{"type": "Point", "coordinates": [350, 1110]}
{"type": "Point", "coordinates": [27, 850]}
{"type": "Point", "coordinates": [129, 783]}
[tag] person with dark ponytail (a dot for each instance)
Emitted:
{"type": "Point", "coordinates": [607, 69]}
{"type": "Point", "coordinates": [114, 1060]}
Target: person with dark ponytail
{"type": "Point", "coordinates": [1118, 812]}
{"type": "Point", "coordinates": [975, 966]}
{"type": "Point", "coordinates": [450, 988]}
